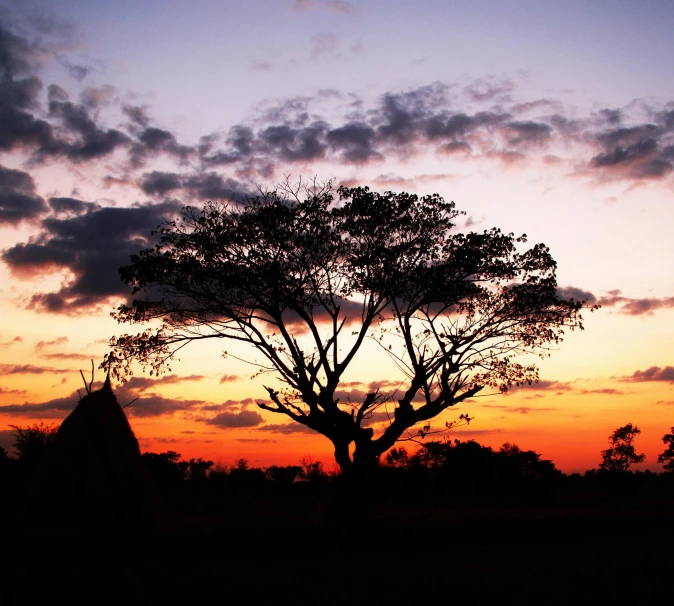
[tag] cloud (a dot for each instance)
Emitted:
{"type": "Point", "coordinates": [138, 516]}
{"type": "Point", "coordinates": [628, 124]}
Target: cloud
{"type": "Point", "coordinates": [226, 420]}
{"type": "Point", "coordinates": [607, 391]}
{"type": "Point", "coordinates": [140, 384]}
{"type": "Point", "coordinates": [228, 379]}
{"type": "Point", "coordinates": [287, 428]}
{"type": "Point", "coordinates": [14, 341]}
{"type": "Point", "coordinates": [17, 392]}
{"type": "Point", "coordinates": [18, 200]}
{"type": "Point", "coordinates": [635, 307]}
{"type": "Point", "coordinates": [233, 404]}
{"type": "Point", "coordinates": [654, 373]}
{"type": "Point", "coordinates": [556, 386]}
{"type": "Point", "coordinates": [643, 151]}
{"type": "Point", "coordinates": [527, 409]}
{"type": "Point", "coordinates": [58, 408]}
{"type": "Point", "coordinates": [67, 356]}
{"type": "Point", "coordinates": [54, 343]}
{"type": "Point", "coordinates": [153, 405]}
{"type": "Point", "coordinates": [577, 294]}
{"type": "Point", "coordinates": [132, 396]}
{"type": "Point", "coordinates": [29, 369]}
{"type": "Point", "coordinates": [93, 247]}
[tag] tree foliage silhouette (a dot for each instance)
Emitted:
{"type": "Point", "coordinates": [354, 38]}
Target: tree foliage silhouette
{"type": "Point", "coordinates": [305, 274]}
{"type": "Point", "coordinates": [667, 457]}
{"type": "Point", "coordinates": [33, 442]}
{"type": "Point", "coordinates": [621, 455]}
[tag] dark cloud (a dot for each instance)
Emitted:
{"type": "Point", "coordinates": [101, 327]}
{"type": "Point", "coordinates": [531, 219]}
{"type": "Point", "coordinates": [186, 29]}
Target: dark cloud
{"type": "Point", "coordinates": [212, 186]}
{"type": "Point", "coordinates": [556, 386]}
{"type": "Point", "coordinates": [643, 151]}
{"type": "Point", "coordinates": [153, 405]}
{"type": "Point", "coordinates": [577, 294]}
{"type": "Point", "coordinates": [93, 246]}
{"type": "Point", "coordinates": [225, 420]}
{"type": "Point", "coordinates": [137, 115]}
{"type": "Point", "coordinates": [30, 369]}
{"type": "Point", "coordinates": [654, 373]}
{"type": "Point", "coordinates": [228, 378]}
{"type": "Point", "coordinates": [356, 141]}
{"type": "Point", "coordinates": [63, 206]}
{"type": "Point", "coordinates": [295, 144]}
{"type": "Point", "coordinates": [58, 408]}
{"type": "Point", "coordinates": [91, 141]}
{"type": "Point", "coordinates": [528, 133]}
{"type": "Point", "coordinates": [230, 404]}
{"type": "Point", "coordinates": [286, 428]}
{"type": "Point", "coordinates": [160, 183]}
{"type": "Point", "coordinates": [153, 140]}
{"type": "Point", "coordinates": [18, 200]}
{"type": "Point", "coordinates": [17, 55]}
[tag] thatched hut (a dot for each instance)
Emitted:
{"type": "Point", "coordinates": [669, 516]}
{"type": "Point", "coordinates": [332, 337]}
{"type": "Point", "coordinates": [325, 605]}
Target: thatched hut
{"type": "Point", "coordinates": [95, 472]}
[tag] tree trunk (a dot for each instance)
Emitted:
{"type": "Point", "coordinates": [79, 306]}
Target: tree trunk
{"type": "Point", "coordinates": [343, 458]}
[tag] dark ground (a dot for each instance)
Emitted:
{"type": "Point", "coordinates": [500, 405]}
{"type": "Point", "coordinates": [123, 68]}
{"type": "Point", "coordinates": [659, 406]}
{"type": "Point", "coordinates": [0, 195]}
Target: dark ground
{"type": "Point", "coordinates": [257, 551]}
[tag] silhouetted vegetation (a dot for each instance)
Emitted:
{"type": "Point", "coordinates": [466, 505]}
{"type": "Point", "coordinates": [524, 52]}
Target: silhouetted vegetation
{"type": "Point", "coordinates": [667, 457]}
{"type": "Point", "coordinates": [32, 443]}
{"type": "Point", "coordinates": [621, 455]}
{"type": "Point", "coordinates": [452, 310]}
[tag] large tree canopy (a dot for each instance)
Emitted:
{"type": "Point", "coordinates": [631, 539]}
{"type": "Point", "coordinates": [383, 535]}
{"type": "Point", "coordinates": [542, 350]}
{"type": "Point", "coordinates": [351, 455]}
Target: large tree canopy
{"type": "Point", "coordinates": [306, 274]}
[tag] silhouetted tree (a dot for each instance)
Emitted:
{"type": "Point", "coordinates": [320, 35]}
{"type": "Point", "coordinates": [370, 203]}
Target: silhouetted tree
{"type": "Point", "coordinates": [667, 457]}
{"type": "Point", "coordinates": [166, 467]}
{"type": "Point", "coordinates": [33, 442]}
{"type": "Point", "coordinates": [283, 476]}
{"type": "Point", "coordinates": [621, 455]}
{"type": "Point", "coordinates": [305, 277]}
{"type": "Point", "coordinates": [398, 458]}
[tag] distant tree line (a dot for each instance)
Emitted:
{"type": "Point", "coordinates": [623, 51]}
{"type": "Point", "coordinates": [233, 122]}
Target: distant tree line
{"type": "Point", "coordinates": [447, 469]}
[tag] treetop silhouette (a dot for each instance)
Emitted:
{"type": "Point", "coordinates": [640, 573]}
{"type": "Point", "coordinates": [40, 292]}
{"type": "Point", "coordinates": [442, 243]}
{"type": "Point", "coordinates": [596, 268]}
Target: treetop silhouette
{"type": "Point", "coordinates": [305, 273]}
{"type": "Point", "coordinates": [621, 455]}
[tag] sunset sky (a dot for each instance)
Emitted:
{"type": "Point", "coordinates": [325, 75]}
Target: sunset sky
{"type": "Point", "coordinates": [554, 119]}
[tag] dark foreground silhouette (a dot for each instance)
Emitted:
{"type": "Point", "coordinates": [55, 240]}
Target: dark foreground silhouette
{"type": "Point", "coordinates": [453, 521]}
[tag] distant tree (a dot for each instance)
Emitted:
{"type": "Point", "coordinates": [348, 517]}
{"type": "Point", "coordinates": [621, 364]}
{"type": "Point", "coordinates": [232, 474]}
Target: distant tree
{"type": "Point", "coordinates": [4, 455]}
{"type": "Point", "coordinates": [667, 457]}
{"type": "Point", "coordinates": [166, 467]}
{"type": "Point", "coordinates": [283, 476]}
{"type": "Point", "coordinates": [305, 274]}
{"type": "Point", "coordinates": [33, 442]}
{"type": "Point", "coordinates": [398, 458]}
{"type": "Point", "coordinates": [198, 469]}
{"type": "Point", "coordinates": [621, 455]}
